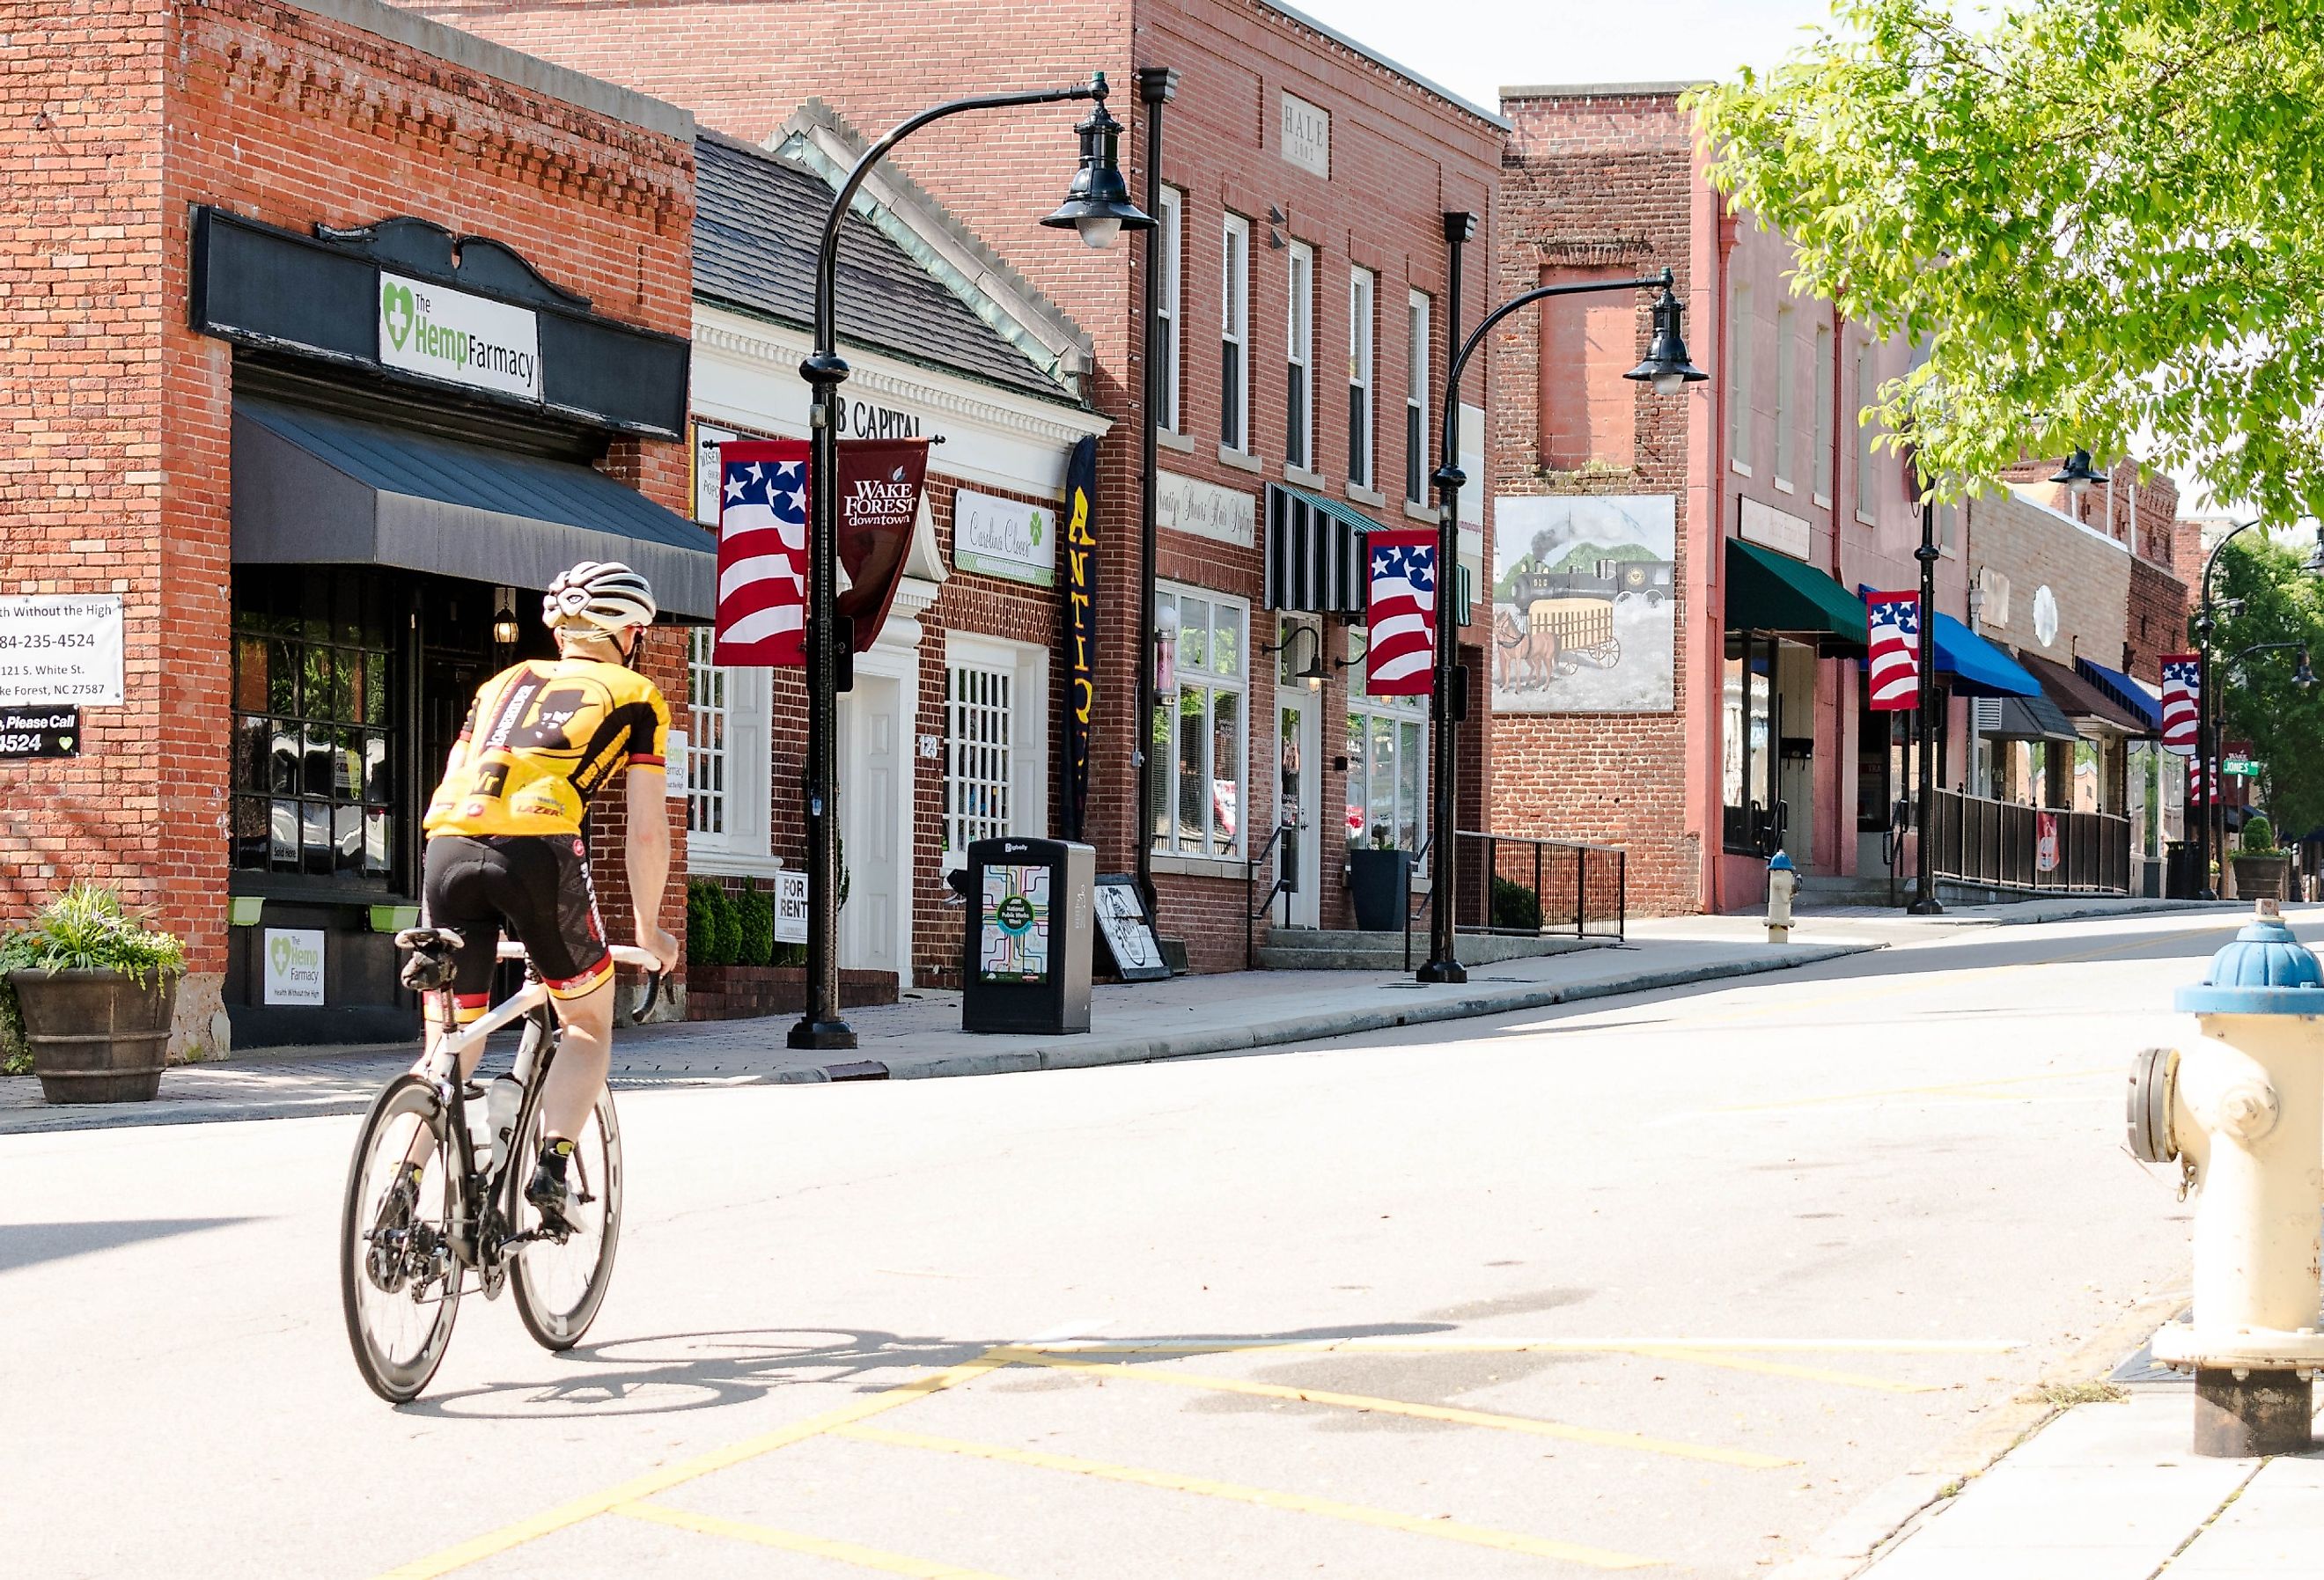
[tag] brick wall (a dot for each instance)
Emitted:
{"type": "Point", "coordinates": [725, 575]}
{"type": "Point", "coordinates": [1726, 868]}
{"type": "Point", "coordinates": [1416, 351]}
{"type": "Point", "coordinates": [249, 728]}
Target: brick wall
{"type": "Point", "coordinates": [1400, 156]}
{"type": "Point", "coordinates": [2088, 575]}
{"type": "Point", "coordinates": [116, 464]}
{"type": "Point", "coordinates": [2134, 500]}
{"type": "Point", "coordinates": [2157, 621]}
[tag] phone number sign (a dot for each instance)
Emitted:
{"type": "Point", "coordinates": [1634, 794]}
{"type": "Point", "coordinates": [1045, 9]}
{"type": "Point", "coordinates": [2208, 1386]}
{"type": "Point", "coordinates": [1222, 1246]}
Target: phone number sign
{"type": "Point", "coordinates": [60, 648]}
{"type": "Point", "coordinates": [40, 732]}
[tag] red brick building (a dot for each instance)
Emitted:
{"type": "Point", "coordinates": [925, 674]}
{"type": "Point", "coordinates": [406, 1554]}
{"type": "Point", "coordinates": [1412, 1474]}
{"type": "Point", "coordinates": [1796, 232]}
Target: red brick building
{"type": "Point", "coordinates": [244, 236]}
{"type": "Point", "coordinates": [1304, 274]}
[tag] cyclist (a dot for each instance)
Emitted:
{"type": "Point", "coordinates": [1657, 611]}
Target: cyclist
{"type": "Point", "coordinates": [505, 842]}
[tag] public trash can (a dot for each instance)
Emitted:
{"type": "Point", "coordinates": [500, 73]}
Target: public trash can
{"type": "Point", "coordinates": [1026, 966]}
{"type": "Point", "coordinates": [2183, 875]}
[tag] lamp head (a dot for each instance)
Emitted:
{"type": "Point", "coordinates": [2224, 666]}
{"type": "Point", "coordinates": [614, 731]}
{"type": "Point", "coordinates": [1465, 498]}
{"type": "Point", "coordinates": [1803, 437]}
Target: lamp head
{"type": "Point", "coordinates": [505, 627]}
{"type": "Point", "coordinates": [1097, 204]}
{"type": "Point", "coordinates": [1667, 366]}
{"type": "Point", "coordinates": [2077, 474]}
{"type": "Point", "coordinates": [2314, 564]}
{"type": "Point", "coordinates": [2303, 677]}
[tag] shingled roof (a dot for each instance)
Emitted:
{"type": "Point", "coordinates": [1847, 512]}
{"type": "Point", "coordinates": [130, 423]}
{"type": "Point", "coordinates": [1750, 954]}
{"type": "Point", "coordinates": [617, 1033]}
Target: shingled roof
{"type": "Point", "coordinates": [757, 221]}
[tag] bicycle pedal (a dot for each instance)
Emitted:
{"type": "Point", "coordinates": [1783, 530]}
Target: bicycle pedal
{"type": "Point", "coordinates": [472, 1092]}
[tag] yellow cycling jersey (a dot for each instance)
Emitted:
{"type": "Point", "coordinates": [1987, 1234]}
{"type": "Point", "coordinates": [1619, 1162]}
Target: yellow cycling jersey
{"type": "Point", "coordinates": [541, 739]}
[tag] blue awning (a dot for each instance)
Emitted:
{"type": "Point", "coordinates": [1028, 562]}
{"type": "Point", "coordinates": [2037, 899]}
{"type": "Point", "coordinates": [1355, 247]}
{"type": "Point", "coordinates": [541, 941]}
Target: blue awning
{"type": "Point", "coordinates": [2122, 690]}
{"type": "Point", "coordinates": [1979, 668]}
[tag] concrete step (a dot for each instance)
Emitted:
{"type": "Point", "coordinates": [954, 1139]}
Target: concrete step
{"type": "Point", "coordinates": [1312, 949]}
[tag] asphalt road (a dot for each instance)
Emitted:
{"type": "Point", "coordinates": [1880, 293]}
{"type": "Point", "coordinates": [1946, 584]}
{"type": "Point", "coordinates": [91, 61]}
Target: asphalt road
{"type": "Point", "coordinates": [1675, 1280]}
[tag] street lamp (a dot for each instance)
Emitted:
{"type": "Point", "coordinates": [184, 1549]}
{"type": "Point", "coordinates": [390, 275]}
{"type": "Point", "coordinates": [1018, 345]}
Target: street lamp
{"type": "Point", "coordinates": [1668, 370]}
{"type": "Point", "coordinates": [1157, 86]}
{"type": "Point", "coordinates": [1097, 206]}
{"type": "Point", "coordinates": [2077, 474]}
{"type": "Point", "coordinates": [2206, 745]}
{"type": "Point", "coordinates": [1312, 671]}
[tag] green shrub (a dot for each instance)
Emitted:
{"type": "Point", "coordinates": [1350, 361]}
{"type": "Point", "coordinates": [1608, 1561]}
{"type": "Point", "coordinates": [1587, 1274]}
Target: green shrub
{"type": "Point", "coordinates": [754, 928]}
{"type": "Point", "coordinates": [789, 955]}
{"type": "Point", "coordinates": [2258, 837]}
{"type": "Point", "coordinates": [712, 936]}
{"type": "Point", "coordinates": [1516, 908]}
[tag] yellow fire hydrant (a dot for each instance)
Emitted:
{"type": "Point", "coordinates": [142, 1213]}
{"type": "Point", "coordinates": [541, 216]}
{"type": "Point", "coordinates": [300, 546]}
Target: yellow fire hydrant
{"type": "Point", "coordinates": [2243, 1110]}
{"type": "Point", "coordinates": [1783, 882]}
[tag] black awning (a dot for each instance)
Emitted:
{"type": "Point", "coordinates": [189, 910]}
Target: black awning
{"type": "Point", "coordinates": [1315, 553]}
{"type": "Point", "coordinates": [315, 489]}
{"type": "Point", "coordinates": [2079, 699]}
{"type": "Point", "coordinates": [2024, 718]}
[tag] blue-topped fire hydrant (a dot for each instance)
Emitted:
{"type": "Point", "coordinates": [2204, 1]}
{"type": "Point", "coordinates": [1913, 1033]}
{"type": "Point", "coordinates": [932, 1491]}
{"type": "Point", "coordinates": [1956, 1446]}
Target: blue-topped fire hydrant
{"type": "Point", "coordinates": [2243, 1111]}
{"type": "Point", "coordinates": [1783, 882]}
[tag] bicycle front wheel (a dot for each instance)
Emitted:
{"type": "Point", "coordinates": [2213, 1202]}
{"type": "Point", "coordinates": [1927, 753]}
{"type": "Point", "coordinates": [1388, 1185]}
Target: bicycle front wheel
{"type": "Point", "coordinates": [560, 1283]}
{"type": "Point", "coordinates": [399, 1275]}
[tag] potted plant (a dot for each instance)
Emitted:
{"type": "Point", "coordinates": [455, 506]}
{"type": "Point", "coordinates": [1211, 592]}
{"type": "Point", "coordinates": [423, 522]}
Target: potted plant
{"type": "Point", "coordinates": [97, 989]}
{"type": "Point", "coordinates": [2259, 867]}
{"type": "Point", "coordinates": [1377, 882]}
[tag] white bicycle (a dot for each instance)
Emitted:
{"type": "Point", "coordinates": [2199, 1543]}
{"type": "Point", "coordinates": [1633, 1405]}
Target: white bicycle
{"type": "Point", "coordinates": [406, 1257]}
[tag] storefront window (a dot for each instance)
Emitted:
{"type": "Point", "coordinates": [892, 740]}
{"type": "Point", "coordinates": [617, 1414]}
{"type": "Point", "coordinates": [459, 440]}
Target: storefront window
{"type": "Point", "coordinates": [1200, 735]}
{"type": "Point", "coordinates": [1748, 745]}
{"type": "Point", "coordinates": [706, 744]}
{"type": "Point", "coordinates": [314, 775]}
{"type": "Point", "coordinates": [1388, 758]}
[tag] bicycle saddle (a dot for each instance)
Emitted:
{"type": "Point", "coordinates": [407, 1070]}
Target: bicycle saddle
{"type": "Point", "coordinates": [431, 949]}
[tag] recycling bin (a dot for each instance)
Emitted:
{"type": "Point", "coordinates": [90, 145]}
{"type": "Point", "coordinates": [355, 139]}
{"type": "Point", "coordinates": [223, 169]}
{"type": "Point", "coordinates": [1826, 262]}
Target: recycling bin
{"type": "Point", "coordinates": [1026, 965]}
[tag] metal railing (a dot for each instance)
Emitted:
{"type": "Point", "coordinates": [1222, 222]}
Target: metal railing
{"type": "Point", "coordinates": [2000, 845]}
{"type": "Point", "coordinates": [1286, 881]}
{"type": "Point", "coordinates": [1517, 887]}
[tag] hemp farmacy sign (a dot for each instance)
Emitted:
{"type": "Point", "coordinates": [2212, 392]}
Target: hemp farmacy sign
{"type": "Point", "coordinates": [440, 333]}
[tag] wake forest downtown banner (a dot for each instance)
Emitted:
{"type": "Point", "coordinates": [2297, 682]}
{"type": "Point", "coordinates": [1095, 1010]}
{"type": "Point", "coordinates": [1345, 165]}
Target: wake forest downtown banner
{"type": "Point", "coordinates": [1585, 603]}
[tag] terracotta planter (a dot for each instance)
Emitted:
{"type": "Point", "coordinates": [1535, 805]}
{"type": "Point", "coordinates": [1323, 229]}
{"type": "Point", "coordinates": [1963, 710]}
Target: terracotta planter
{"type": "Point", "coordinates": [96, 1036]}
{"type": "Point", "coordinates": [2260, 877]}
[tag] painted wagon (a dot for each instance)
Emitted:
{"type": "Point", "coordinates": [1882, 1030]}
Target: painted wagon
{"type": "Point", "coordinates": [1578, 629]}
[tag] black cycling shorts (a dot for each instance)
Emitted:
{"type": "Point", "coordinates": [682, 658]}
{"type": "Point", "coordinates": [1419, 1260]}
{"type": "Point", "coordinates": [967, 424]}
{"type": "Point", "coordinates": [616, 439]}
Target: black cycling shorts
{"type": "Point", "coordinates": [536, 885]}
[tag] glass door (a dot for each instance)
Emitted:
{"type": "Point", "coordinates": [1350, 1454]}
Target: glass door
{"type": "Point", "coordinates": [1298, 737]}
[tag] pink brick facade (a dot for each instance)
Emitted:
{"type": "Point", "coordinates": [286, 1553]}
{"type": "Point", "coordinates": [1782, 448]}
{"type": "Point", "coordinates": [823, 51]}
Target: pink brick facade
{"type": "Point", "coordinates": [123, 117]}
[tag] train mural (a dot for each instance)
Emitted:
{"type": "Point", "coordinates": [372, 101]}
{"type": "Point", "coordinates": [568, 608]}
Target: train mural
{"type": "Point", "coordinates": [1584, 596]}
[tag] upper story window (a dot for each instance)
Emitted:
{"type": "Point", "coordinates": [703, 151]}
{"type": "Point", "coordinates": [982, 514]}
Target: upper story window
{"type": "Point", "coordinates": [1740, 335]}
{"type": "Point", "coordinates": [1299, 400]}
{"type": "Point", "coordinates": [1788, 401]}
{"type": "Point", "coordinates": [1589, 410]}
{"type": "Point", "coordinates": [1234, 335]}
{"type": "Point", "coordinates": [1362, 300]}
{"type": "Point", "coordinates": [1823, 397]}
{"type": "Point", "coordinates": [1415, 400]}
{"type": "Point", "coordinates": [1867, 391]}
{"type": "Point", "coordinates": [1169, 241]}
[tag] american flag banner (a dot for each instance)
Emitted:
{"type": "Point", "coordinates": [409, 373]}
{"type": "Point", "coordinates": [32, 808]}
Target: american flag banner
{"type": "Point", "coordinates": [1400, 610]}
{"type": "Point", "coordinates": [1894, 669]}
{"type": "Point", "coordinates": [2197, 794]}
{"type": "Point", "coordinates": [762, 554]}
{"type": "Point", "coordinates": [2181, 701]}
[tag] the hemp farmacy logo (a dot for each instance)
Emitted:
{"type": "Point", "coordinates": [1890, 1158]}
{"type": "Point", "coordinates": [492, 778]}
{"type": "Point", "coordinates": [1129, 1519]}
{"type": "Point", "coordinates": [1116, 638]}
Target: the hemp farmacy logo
{"type": "Point", "coordinates": [395, 311]}
{"type": "Point", "coordinates": [282, 951]}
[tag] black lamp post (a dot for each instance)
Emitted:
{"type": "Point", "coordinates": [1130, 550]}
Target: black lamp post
{"type": "Point", "coordinates": [1097, 204]}
{"type": "Point", "coordinates": [2206, 741]}
{"type": "Point", "coordinates": [1668, 370]}
{"type": "Point", "coordinates": [1924, 888]}
{"type": "Point", "coordinates": [1157, 86]}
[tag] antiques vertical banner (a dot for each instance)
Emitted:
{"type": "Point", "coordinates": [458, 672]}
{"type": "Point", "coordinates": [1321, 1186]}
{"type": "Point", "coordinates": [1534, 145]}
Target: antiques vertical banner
{"type": "Point", "coordinates": [1081, 628]}
{"type": "Point", "coordinates": [1585, 617]}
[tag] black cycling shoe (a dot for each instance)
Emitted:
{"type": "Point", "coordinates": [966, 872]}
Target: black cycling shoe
{"type": "Point", "coordinates": [550, 1192]}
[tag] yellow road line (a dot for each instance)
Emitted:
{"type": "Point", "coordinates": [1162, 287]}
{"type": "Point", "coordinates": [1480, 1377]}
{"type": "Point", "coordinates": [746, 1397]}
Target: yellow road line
{"type": "Point", "coordinates": [1963, 1088]}
{"type": "Point", "coordinates": [1428, 1412]}
{"type": "Point", "coordinates": [1296, 1503]}
{"type": "Point", "coordinates": [844, 1552]}
{"type": "Point", "coordinates": [591, 1505]}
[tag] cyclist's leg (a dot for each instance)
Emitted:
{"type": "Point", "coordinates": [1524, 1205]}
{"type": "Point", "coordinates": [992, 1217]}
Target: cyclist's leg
{"type": "Point", "coordinates": [584, 1055]}
{"type": "Point", "coordinates": [453, 895]}
{"type": "Point", "coordinates": [556, 914]}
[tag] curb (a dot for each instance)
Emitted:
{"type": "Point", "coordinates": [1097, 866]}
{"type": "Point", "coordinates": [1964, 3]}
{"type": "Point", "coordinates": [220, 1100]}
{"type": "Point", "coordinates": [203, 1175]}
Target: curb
{"type": "Point", "coordinates": [1058, 1055]}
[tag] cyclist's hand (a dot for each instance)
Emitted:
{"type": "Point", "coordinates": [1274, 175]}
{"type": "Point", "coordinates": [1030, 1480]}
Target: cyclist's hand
{"type": "Point", "coordinates": [659, 943]}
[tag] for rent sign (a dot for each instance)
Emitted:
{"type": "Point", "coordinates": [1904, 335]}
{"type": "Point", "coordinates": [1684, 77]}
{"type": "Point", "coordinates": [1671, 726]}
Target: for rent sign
{"type": "Point", "coordinates": [60, 648]}
{"type": "Point", "coordinates": [440, 333]}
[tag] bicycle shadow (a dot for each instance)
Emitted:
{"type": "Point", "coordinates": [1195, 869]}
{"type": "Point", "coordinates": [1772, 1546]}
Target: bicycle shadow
{"type": "Point", "coordinates": [723, 1368]}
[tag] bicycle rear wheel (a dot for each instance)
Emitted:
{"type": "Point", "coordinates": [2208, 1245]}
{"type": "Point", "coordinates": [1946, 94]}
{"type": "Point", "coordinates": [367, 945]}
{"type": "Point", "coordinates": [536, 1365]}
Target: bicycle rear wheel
{"type": "Point", "coordinates": [561, 1283]}
{"type": "Point", "coordinates": [399, 1279]}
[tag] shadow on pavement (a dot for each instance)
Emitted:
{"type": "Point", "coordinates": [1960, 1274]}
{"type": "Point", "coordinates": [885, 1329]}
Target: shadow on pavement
{"type": "Point", "coordinates": [30, 1245]}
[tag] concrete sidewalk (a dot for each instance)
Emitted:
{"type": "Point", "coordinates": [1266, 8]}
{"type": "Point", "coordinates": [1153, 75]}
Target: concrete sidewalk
{"type": "Point", "coordinates": [1132, 1022]}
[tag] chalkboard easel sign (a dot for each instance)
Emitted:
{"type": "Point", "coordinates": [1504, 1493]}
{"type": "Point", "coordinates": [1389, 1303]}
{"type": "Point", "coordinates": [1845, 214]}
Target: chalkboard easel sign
{"type": "Point", "coordinates": [1132, 952]}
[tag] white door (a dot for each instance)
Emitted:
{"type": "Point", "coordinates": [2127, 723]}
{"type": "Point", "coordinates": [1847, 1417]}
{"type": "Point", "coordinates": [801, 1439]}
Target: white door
{"type": "Point", "coordinates": [872, 779]}
{"type": "Point", "coordinates": [1299, 738]}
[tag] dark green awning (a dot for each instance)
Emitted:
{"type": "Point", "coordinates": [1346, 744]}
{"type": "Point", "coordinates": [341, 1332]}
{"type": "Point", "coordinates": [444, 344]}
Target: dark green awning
{"type": "Point", "coordinates": [1765, 591]}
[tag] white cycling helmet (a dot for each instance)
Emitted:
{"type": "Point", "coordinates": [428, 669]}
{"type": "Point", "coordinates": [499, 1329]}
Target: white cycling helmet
{"type": "Point", "coordinates": [600, 597]}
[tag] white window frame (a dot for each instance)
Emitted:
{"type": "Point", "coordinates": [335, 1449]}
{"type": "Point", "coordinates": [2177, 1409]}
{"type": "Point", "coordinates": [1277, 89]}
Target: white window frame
{"type": "Point", "coordinates": [1299, 357]}
{"type": "Point", "coordinates": [1740, 335]}
{"type": "Point", "coordinates": [1397, 712]}
{"type": "Point", "coordinates": [1363, 430]}
{"type": "Point", "coordinates": [728, 771]}
{"type": "Point", "coordinates": [1234, 334]}
{"type": "Point", "coordinates": [1418, 320]}
{"type": "Point", "coordinates": [1826, 370]}
{"type": "Point", "coordinates": [1788, 440]}
{"type": "Point", "coordinates": [1025, 774]}
{"type": "Point", "coordinates": [1171, 419]}
{"type": "Point", "coordinates": [1169, 839]}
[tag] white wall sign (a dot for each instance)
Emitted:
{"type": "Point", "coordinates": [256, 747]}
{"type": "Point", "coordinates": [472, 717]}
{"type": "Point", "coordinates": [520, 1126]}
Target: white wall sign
{"type": "Point", "coordinates": [790, 905]}
{"type": "Point", "coordinates": [63, 647]}
{"type": "Point", "coordinates": [1004, 536]}
{"type": "Point", "coordinates": [1775, 528]}
{"type": "Point", "coordinates": [1307, 135]}
{"type": "Point", "coordinates": [445, 334]}
{"type": "Point", "coordinates": [1472, 452]}
{"type": "Point", "coordinates": [707, 438]}
{"type": "Point", "coordinates": [1189, 504]}
{"type": "Point", "coordinates": [2045, 615]}
{"type": "Point", "coordinates": [294, 966]}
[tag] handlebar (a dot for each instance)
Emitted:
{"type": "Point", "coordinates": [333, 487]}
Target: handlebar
{"type": "Point", "coordinates": [623, 955]}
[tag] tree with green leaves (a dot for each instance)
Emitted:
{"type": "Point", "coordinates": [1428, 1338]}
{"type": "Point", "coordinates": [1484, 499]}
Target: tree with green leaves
{"type": "Point", "coordinates": [2104, 218]}
{"type": "Point", "coordinates": [2268, 599]}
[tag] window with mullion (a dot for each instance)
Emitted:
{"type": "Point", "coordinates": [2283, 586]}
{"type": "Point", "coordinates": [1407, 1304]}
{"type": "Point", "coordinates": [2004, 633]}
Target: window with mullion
{"type": "Point", "coordinates": [1171, 237]}
{"type": "Point", "coordinates": [1416, 400]}
{"type": "Point", "coordinates": [1234, 335]}
{"type": "Point", "coordinates": [1361, 295]}
{"type": "Point", "coordinates": [1200, 735]}
{"type": "Point", "coordinates": [1299, 399]}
